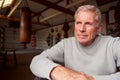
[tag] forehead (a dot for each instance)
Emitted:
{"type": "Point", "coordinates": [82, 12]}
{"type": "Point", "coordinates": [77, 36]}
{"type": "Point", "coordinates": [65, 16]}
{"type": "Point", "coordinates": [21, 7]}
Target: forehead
{"type": "Point", "coordinates": [85, 15]}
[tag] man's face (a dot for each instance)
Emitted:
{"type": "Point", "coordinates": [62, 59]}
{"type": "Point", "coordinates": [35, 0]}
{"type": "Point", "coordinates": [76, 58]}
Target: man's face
{"type": "Point", "coordinates": [86, 27]}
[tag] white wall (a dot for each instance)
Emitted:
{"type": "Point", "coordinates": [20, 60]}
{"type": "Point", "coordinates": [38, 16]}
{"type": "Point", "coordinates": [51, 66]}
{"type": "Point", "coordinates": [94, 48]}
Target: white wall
{"type": "Point", "coordinates": [41, 36]}
{"type": "Point", "coordinates": [12, 38]}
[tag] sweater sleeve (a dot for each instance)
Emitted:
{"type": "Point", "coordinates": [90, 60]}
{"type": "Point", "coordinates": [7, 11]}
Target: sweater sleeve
{"type": "Point", "coordinates": [42, 64]}
{"type": "Point", "coordinates": [115, 76]}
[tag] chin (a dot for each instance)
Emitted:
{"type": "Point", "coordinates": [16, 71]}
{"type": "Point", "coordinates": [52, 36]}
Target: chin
{"type": "Point", "coordinates": [83, 42]}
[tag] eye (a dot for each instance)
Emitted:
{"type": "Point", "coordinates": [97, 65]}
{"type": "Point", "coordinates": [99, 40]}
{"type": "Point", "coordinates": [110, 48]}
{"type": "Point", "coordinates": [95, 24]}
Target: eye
{"type": "Point", "coordinates": [78, 22]}
{"type": "Point", "coordinates": [88, 24]}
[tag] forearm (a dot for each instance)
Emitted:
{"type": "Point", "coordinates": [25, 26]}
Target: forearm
{"type": "Point", "coordinates": [62, 73]}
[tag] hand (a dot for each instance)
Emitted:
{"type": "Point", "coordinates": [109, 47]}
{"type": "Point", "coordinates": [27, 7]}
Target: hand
{"type": "Point", "coordinates": [62, 73]}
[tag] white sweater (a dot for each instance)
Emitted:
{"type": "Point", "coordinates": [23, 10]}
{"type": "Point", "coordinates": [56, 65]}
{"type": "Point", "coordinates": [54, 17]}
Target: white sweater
{"type": "Point", "coordinates": [100, 59]}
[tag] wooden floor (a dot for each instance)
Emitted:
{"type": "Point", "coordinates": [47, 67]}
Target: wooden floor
{"type": "Point", "coordinates": [17, 72]}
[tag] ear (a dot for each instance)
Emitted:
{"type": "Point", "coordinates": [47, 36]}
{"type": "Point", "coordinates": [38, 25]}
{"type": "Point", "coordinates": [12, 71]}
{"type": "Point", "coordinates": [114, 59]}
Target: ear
{"type": "Point", "coordinates": [99, 28]}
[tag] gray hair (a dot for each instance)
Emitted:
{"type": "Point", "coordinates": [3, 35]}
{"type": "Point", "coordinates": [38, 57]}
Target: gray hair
{"type": "Point", "coordinates": [92, 9]}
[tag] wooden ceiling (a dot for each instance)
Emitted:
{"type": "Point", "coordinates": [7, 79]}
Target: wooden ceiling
{"type": "Point", "coordinates": [45, 13]}
{"type": "Point", "coordinates": [11, 13]}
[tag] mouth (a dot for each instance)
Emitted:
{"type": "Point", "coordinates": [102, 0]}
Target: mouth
{"type": "Point", "coordinates": [81, 36]}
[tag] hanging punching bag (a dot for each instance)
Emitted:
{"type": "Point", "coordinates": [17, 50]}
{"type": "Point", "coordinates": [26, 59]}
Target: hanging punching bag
{"type": "Point", "coordinates": [25, 25]}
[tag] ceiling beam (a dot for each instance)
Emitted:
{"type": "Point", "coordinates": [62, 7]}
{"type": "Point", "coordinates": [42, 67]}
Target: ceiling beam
{"type": "Point", "coordinates": [8, 18]}
{"type": "Point", "coordinates": [14, 8]}
{"type": "Point", "coordinates": [39, 13]}
{"type": "Point", "coordinates": [18, 20]}
{"type": "Point", "coordinates": [54, 6]}
{"type": "Point", "coordinates": [59, 13]}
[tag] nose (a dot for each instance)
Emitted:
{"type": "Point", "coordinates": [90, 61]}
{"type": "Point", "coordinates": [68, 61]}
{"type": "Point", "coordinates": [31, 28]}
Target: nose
{"type": "Point", "coordinates": [82, 28]}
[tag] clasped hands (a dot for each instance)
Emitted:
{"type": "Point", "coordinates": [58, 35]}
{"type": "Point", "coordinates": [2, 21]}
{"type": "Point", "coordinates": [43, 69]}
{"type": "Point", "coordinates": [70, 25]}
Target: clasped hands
{"type": "Point", "coordinates": [62, 73]}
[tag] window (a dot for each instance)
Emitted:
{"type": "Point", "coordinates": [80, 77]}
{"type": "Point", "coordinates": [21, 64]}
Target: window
{"type": "Point", "coordinates": [5, 3]}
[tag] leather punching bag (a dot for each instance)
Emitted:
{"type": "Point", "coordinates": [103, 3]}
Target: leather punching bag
{"type": "Point", "coordinates": [25, 25]}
